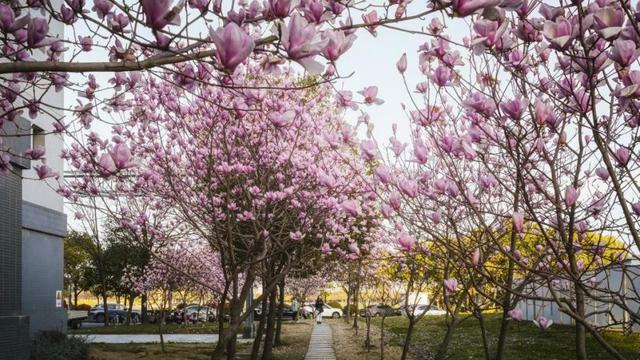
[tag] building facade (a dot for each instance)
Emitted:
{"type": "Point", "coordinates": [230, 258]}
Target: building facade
{"type": "Point", "coordinates": [32, 227]}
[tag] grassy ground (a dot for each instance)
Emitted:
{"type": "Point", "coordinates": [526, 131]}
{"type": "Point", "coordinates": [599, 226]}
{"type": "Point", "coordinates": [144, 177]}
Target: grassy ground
{"type": "Point", "coordinates": [349, 346]}
{"type": "Point", "coordinates": [199, 328]}
{"type": "Point", "coordinates": [295, 337]}
{"type": "Point", "coordinates": [525, 342]}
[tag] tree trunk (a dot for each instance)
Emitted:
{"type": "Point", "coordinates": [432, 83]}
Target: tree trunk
{"type": "Point", "coordinates": [581, 343]}
{"type": "Point", "coordinates": [106, 310]}
{"type": "Point", "coordinates": [277, 341]}
{"type": "Point", "coordinates": [444, 346]}
{"type": "Point", "coordinates": [483, 330]}
{"type": "Point", "coordinates": [407, 338]}
{"type": "Point", "coordinates": [367, 340]}
{"type": "Point", "coordinates": [356, 295]}
{"type": "Point", "coordinates": [228, 335]}
{"type": "Point", "coordinates": [267, 353]}
{"type": "Point", "coordinates": [143, 308]}
{"type": "Point", "coordinates": [255, 350]}
{"type": "Point", "coordinates": [382, 337]}
{"type": "Point", "coordinates": [348, 308]}
{"type": "Point", "coordinates": [131, 298]}
{"type": "Point", "coordinates": [76, 293]}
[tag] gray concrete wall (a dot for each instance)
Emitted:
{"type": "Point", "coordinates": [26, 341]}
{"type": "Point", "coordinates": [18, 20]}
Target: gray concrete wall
{"type": "Point", "coordinates": [42, 266]}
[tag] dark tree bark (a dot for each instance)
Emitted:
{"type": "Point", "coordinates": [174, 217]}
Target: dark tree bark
{"type": "Point", "coordinates": [267, 353]}
{"type": "Point", "coordinates": [277, 341]}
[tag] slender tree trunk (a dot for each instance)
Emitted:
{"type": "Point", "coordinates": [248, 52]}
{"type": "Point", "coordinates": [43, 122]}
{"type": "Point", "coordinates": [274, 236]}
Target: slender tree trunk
{"type": "Point", "coordinates": [143, 309]}
{"type": "Point", "coordinates": [131, 298]}
{"type": "Point", "coordinates": [407, 338]}
{"type": "Point", "coordinates": [106, 309]}
{"type": "Point", "coordinates": [382, 337]}
{"type": "Point", "coordinates": [255, 350]}
{"type": "Point", "coordinates": [267, 353]}
{"type": "Point", "coordinates": [278, 340]}
{"type": "Point", "coordinates": [581, 343]}
{"type": "Point", "coordinates": [367, 340]}
{"type": "Point", "coordinates": [348, 308]}
{"type": "Point", "coordinates": [76, 293]}
{"type": "Point", "coordinates": [356, 295]}
{"type": "Point", "coordinates": [483, 330]}
{"type": "Point", "coordinates": [444, 346]}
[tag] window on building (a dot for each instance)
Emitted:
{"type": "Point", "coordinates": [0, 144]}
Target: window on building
{"type": "Point", "coordinates": [38, 137]}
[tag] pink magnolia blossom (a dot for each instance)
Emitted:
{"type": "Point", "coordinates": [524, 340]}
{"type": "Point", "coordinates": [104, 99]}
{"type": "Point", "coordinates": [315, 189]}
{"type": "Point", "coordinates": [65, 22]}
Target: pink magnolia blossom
{"type": "Point", "coordinates": [383, 174]}
{"type": "Point", "coordinates": [302, 43]}
{"type": "Point", "coordinates": [602, 173]}
{"type": "Point", "coordinates": [542, 323]}
{"type": "Point", "coordinates": [233, 45]}
{"type": "Point", "coordinates": [405, 241]}
{"type": "Point", "coordinates": [515, 314]}
{"type": "Point", "coordinates": [44, 171]}
{"type": "Point", "coordinates": [121, 156]}
{"type": "Point", "coordinates": [401, 65]}
{"type": "Point", "coordinates": [450, 286]}
{"type": "Point", "coordinates": [337, 44]}
{"type": "Point", "coordinates": [475, 257]}
{"type": "Point", "coordinates": [370, 94]}
{"type": "Point", "coordinates": [36, 153]}
{"type": "Point", "coordinates": [560, 32]}
{"type": "Point", "coordinates": [158, 13]}
{"type": "Point", "coordinates": [518, 221]}
{"type": "Point", "coordinates": [636, 208]}
{"type": "Point", "coordinates": [369, 149]}
{"type": "Point", "coordinates": [37, 31]}
{"type": "Point", "coordinates": [609, 21]}
{"type": "Point", "coordinates": [570, 196]}
{"type": "Point", "coordinates": [624, 52]}
{"type": "Point", "coordinates": [408, 187]}
{"type": "Point", "coordinates": [622, 155]}
{"type": "Point", "coordinates": [468, 7]}
{"type": "Point", "coordinates": [351, 208]}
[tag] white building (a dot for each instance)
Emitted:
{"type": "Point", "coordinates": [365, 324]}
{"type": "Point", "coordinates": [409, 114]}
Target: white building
{"type": "Point", "coordinates": [603, 314]}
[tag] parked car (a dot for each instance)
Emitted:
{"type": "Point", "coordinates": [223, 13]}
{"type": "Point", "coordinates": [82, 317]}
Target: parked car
{"type": "Point", "coordinates": [200, 313]}
{"type": "Point", "coordinates": [426, 309]}
{"type": "Point", "coordinates": [380, 310]}
{"type": "Point", "coordinates": [75, 318]}
{"type": "Point", "coordinates": [117, 313]}
{"type": "Point", "coordinates": [287, 313]}
{"type": "Point", "coordinates": [308, 310]}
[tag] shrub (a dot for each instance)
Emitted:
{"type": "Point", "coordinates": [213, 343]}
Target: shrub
{"type": "Point", "coordinates": [334, 304]}
{"type": "Point", "coordinates": [352, 307]}
{"type": "Point", "coordinates": [85, 307]}
{"type": "Point", "coordinates": [55, 345]}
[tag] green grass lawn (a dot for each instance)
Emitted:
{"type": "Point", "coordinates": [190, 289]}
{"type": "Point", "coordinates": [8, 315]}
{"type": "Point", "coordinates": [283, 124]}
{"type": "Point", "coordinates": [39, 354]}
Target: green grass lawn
{"type": "Point", "coordinates": [199, 328]}
{"type": "Point", "coordinates": [525, 341]}
{"type": "Point", "coordinates": [295, 339]}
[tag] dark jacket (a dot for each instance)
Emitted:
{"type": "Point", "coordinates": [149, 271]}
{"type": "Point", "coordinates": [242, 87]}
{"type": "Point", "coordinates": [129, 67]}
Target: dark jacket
{"type": "Point", "coordinates": [319, 305]}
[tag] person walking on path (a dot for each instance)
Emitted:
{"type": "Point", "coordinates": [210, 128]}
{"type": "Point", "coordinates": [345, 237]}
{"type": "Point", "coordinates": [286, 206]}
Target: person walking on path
{"type": "Point", "coordinates": [295, 308]}
{"type": "Point", "coordinates": [319, 309]}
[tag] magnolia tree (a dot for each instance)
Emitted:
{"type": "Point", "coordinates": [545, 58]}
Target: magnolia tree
{"type": "Point", "coordinates": [264, 176]}
{"type": "Point", "coordinates": [524, 143]}
{"type": "Point", "coordinates": [76, 47]}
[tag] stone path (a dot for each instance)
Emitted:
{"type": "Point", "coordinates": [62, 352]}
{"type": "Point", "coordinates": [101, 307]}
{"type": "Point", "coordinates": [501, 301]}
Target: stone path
{"type": "Point", "coordinates": [152, 338]}
{"type": "Point", "coordinates": [321, 343]}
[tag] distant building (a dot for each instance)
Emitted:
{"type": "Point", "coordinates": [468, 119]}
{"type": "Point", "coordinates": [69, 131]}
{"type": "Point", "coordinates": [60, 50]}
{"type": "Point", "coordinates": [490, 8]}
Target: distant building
{"type": "Point", "coordinates": [604, 314]}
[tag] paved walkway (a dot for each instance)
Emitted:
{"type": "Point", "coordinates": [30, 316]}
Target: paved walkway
{"type": "Point", "coordinates": [321, 343]}
{"type": "Point", "coordinates": [152, 338]}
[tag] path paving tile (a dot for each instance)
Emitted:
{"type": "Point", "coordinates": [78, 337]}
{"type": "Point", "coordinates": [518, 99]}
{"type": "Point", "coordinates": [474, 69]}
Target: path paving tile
{"type": "Point", "coordinates": [321, 343]}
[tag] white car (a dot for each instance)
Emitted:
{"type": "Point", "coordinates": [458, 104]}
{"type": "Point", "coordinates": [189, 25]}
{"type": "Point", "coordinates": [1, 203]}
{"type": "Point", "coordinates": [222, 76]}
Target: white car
{"type": "Point", "coordinates": [327, 311]}
{"type": "Point", "coordinates": [420, 309]}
